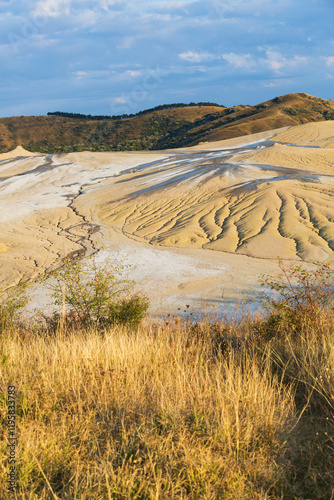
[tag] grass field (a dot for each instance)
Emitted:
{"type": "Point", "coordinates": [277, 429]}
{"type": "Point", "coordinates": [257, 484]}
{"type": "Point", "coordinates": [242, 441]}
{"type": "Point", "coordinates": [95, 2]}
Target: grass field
{"type": "Point", "coordinates": [206, 411]}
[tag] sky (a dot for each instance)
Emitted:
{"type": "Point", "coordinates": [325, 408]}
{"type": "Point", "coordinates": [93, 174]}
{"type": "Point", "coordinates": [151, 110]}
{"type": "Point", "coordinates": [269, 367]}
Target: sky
{"type": "Point", "coordinates": [123, 56]}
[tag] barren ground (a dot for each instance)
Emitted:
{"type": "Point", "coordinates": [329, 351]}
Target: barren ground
{"type": "Point", "coordinates": [196, 225]}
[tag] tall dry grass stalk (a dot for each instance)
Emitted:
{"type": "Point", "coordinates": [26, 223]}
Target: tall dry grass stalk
{"type": "Point", "coordinates": [63, 308]}
{"type": "Point", "coordinates": [307, 360]}
{"type": "Point", "coordinates": [150, 414]}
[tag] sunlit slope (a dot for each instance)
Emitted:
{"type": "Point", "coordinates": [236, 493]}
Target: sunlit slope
{"type": "Point", "coordinates": [228, 201]}
{"type": "Point", "coordinates": [55, 134]}
{"type": "Point", "coordinates": [319, 134]}
{"type": "Point", "coordinates": [160, 129]}
{"type": "Point", "coordinates": [311, 159]}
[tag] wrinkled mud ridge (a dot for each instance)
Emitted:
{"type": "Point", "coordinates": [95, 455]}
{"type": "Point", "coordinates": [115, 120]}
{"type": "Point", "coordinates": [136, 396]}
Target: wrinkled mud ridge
{"type": "Point", "coordinates": [199, 166]}
{"type": "Point", "coordinates": [195, 224]}
{"type": "Point", "coordinates": [226, 201]}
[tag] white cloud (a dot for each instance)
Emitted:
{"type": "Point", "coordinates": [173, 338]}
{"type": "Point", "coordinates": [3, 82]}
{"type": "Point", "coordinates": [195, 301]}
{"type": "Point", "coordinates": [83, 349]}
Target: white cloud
{"type": "Point", "coordinates": [41, 40]}
{"type": "Point", "coordinates": [85, 9]}
{"type": "Point", "coordinates": [92, 74]}
{"type": "Point", "coordinates": [329, 60]}
{"type": "Point", "coordinates": [6, 7]}
{"type": "Point", "coordinates": [282, 83]}
{"type": "Point", "coordinates": [81, 74]}
{"type": "Point", "coordinates": [172, 4]}
{"type": "Point", "coordinates": [274, 59]}
{"type": "Point", "coordinates": [135, 73]}
{"type": "Point", "coordinates": [242, 7]}
{"type": "Point", "coordinates": [240, 61]}
{"type": "Point", "coordinates": [105, 4]}
{"type": "Point", "coordinates": [160, 17]}
{"type": "Point", "coordinates": [126, 43]}
{"type": "Point", "coordinates": [53, 8]}
{"type": "Point", "coordinates": [279, 83]}
{"type": "Point", "coordinates": [278, 61]}
{"type": "Point", "coordinates": [120, 100]}
{"type": "Point", "coordinates": [196, 57]}
{"type": "Point", "coordinates": [86, 18]}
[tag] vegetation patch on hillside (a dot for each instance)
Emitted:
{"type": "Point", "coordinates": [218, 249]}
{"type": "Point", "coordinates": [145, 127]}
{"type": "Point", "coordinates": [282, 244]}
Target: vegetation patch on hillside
{"type": "Point", "coordinates": [163, 127]}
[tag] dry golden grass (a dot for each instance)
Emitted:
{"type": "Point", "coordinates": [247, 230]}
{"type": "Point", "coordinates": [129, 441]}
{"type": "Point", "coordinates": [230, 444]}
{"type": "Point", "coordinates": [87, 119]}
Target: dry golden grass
{"type": "Point", "coordinates": [53, 134]}
{"type": "Point", "coordinates": [163, 413]}
{"type": "Point", "coordinates": [68, 132]}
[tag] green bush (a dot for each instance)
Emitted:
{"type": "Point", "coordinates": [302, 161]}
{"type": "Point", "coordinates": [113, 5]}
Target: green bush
{"type": "Point", "coordinates": [262, 106]}
{"type": "Point", "coordinates": [300, 297]}
{"type": "Point", "coordinates": [277, 100]}
{"type": "Point", "coordinates": [128, 311]}
{"type": "Point", "coordinates": [328, 115]}
{"type": "Point", "coordinates": [95, 294]}
{"type": "Point", "coordinates": [12, 302]}
{"type": "Point", "coordinates": [290, 111]}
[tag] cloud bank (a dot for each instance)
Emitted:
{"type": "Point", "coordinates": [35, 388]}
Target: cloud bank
{"type": "Point", "coordinates": [98, 56]}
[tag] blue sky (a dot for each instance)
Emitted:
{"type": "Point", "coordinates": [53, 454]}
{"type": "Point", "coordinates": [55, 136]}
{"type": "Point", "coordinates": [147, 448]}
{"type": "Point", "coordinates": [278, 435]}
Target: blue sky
{"type": "Point", "coordinates": [119, 56]}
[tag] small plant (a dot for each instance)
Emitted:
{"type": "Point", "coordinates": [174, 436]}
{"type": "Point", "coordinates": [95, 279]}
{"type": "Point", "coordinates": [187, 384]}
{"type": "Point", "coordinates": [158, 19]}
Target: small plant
{"type": "Point", "coordinates": [277, 100]}
{"type": "Point", "coordinates": [328, 115]}
{"type": "Point", "coordinates": [11, 304]}
{"type": "Point", "coordinates": [95, 294]}
{"type": "Point", "coordinates": [128, 310]}
{"type": "Point", "coordinates": [262, 106]}
{"type": "Point", "coordinates": [300, 298]}
{"type": "Point", "coordinates": [290, 111]}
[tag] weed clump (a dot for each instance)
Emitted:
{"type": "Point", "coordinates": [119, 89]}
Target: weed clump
{"type": "Point", "coordinates": [300, 300]}
{"type": "Point", "coordinates": [299, 329]}
{"type": "Point", "coordinates": [12, 303]}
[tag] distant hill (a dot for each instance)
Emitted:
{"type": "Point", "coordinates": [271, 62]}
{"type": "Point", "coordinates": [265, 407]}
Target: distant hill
{"type": "Point", "coordinates": [164, 127]}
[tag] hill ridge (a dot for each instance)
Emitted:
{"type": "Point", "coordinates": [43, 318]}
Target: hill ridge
{"type": "Point", "coordinates": [163, 127]}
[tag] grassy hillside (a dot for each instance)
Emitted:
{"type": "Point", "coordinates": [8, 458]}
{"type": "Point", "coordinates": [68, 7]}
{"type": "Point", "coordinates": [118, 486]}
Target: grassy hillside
{"type": "Point", "coordinates": [160, 129]}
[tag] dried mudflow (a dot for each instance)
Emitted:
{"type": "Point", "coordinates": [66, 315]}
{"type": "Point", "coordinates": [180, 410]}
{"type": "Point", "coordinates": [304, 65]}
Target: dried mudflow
{"type": "Point", "coordinates": [198, 224]}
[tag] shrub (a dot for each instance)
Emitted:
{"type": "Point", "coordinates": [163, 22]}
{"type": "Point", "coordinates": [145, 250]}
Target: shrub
{"type": "Point", "coordinates": [278, 100]}
{"type": "Point", "coordinates": [262, 106]}
{"type": "Point", "coordinates": [11, 304]}
{"type": "Point", "coordinates": [98, 294]}
{"type": "Point", "coordinates": [328, 115]}
{"type": "Point", "coordinates": [300, 298]}
{"type": "Point", "coordinates": [290, 111]}
{"type": "Point", "coordinates": [128, 311]}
